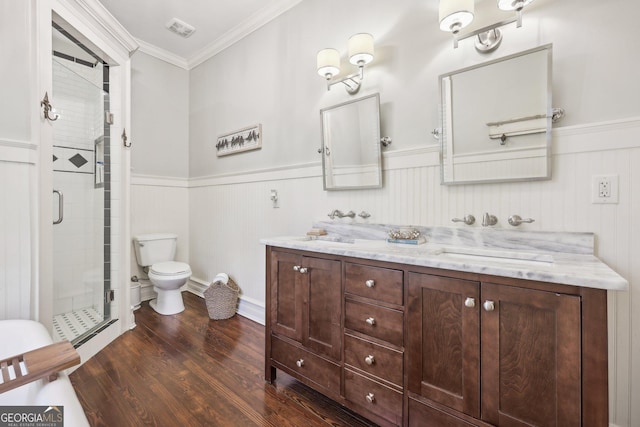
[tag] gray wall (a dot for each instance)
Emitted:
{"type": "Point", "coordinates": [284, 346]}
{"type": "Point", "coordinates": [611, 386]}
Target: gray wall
{"type": "Point", "coordinates": [159, 117]}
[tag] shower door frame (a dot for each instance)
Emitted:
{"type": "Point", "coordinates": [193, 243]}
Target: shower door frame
{"type": "Point", "coordinates": [91, 24]}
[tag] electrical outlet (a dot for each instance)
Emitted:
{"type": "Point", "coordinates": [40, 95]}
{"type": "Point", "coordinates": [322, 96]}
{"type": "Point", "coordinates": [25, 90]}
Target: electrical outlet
{"type": "Point", "coordinates": [604, 189]}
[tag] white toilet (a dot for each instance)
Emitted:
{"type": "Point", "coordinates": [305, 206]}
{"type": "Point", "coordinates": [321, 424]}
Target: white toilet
{"type": "Point", "coordinates": [156, 251]}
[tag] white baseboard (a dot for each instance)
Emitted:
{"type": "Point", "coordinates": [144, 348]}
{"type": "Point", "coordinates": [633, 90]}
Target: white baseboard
{"type": "Point", "coordinates": [247, 307]}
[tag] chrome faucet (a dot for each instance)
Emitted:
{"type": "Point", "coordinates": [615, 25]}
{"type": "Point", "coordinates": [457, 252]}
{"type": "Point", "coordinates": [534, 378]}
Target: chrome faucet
{"type": "Point", "coordinates": [489, 219]}
{"type": "Point", "coordinates": [339, 214]}
{"type": "Point", "coordinates": [335, 213]}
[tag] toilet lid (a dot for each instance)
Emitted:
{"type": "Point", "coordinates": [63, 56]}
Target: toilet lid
{"type": "Point", "coordinates": [169, 268]}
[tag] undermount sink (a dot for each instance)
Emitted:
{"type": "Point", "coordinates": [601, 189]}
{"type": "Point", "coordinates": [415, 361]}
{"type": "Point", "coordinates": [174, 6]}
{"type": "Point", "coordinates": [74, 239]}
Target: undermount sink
{"type": "Point", "coordinates": [493, 255]}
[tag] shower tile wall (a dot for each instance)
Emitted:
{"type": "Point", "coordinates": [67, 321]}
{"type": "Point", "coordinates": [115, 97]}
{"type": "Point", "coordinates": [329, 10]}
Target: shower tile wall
{"type": "Point", "coordinates": [79, 239]}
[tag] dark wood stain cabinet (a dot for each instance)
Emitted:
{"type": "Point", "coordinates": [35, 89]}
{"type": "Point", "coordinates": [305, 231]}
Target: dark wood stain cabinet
{"type": "Point", "coordinates": [417, 346]}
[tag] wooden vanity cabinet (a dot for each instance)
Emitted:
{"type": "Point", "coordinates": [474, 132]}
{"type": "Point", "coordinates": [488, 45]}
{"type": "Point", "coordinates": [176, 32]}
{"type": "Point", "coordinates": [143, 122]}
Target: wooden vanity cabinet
{"type": "Point", "coordinates": [374, 341]}
{"type": "Point", "coordinates": [305, 330]}
{"type": "Point", "coordinates": [418, 346]}
{"type": "Point", "coordinates": [498, 354]}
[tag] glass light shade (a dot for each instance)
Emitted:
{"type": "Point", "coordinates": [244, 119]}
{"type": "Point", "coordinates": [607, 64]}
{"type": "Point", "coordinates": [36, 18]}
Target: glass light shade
{"type": "Point", "coordinates": [512, 4]}
{"type": "Point", "coordinates": [360, 49]}
{"type": "Point", "coordinates": [328, 63]}
{"type": "Point", "coordinates": [455, 14]}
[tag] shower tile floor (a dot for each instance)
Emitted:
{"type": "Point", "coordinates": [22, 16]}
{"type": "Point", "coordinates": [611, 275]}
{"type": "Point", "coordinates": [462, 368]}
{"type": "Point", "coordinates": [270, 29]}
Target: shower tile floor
{"type": "Point", "coordinates": [69, 326]}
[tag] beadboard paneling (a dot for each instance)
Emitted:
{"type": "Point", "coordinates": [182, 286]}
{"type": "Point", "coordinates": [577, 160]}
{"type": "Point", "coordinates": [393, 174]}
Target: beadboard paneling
{"type": "Point", "coordinates": [15, 240]}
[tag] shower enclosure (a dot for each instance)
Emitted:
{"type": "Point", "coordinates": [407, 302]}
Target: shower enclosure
{"type": "Point", "coordinates": [81, 187]}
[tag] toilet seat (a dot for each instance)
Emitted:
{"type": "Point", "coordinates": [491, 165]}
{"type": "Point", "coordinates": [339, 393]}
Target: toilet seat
{"type": "Point", "coordinates": [170, 268]}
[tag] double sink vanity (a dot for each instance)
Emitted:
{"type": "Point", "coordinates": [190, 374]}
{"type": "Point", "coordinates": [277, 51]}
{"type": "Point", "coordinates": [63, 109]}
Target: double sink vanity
{"type": "Point", "coordinates": [475, 327]}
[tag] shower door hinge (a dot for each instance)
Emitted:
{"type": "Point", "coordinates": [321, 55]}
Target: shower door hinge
{"type": "Point", "coordinates": [109, 295]}
{"type": "Point", "coordinates": [108, 117]}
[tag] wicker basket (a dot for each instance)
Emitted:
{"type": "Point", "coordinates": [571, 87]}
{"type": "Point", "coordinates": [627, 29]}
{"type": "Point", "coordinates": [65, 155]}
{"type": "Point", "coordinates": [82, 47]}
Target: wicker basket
{"type": "Point", "coordinates": [222, 299]}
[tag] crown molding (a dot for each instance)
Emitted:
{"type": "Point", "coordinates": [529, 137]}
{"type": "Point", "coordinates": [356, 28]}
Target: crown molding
{"type": "Point", "coordinates": [101, 20]}
{"type": "Point", "coordinates": [240, 31]}
{"type": "Point", "coordinates": [162, 54]}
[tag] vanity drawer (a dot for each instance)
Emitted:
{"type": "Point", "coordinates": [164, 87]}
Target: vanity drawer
{"type": "Point", "coordinates": [373, 396]}
{"type": "Point", "coordinates": [382, 284]}
{"type": "Point", "coordinates": [375, 321]}
{"type": "Point", "coordinates": [314, 368]}
{"type": "Point", "coordinates": [384, 363]}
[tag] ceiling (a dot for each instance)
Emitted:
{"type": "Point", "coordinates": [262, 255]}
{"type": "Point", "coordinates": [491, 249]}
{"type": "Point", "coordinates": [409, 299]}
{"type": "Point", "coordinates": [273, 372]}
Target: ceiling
{"type": "Point", "coordinates": [218, 23]}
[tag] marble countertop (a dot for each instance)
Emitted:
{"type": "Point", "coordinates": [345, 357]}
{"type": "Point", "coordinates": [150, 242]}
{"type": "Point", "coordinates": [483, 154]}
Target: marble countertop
{"type": "Point", "coordinates": [554, 265]}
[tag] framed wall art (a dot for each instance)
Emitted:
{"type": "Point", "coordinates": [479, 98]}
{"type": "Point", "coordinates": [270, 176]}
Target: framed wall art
{"type": "Point", "coordinates": [249, 138]}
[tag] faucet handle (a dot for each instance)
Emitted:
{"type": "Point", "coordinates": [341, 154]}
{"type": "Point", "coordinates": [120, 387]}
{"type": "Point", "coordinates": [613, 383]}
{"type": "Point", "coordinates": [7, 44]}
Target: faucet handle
{"type": "Point", "coordinates": [468, 219]}
{"type": "Point", "coordinates": [516, 220]}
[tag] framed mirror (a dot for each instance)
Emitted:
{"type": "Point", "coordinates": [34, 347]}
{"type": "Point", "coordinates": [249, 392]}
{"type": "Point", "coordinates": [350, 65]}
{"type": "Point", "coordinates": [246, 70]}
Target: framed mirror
{"type": "Point", "coordinates": [496, 120]}
{"type": "Point", "coordinates": [350, 149]}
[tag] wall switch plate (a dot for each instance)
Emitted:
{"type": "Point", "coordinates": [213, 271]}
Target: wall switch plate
{"type": "Point", "coordinates": [604, 189]}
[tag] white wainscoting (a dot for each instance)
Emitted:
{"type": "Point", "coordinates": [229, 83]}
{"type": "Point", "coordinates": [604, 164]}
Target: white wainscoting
{"type": "Point", "coordinates": [227, 215]}
{"type": "Point", "coordinates": [17, 178]}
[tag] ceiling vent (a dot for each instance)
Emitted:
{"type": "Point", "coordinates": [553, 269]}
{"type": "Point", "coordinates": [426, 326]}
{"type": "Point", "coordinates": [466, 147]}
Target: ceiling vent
{"type": "Point", "coordinates": [179, 27]}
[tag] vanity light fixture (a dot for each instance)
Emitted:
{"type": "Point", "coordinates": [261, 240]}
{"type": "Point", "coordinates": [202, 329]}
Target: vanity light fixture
{"type": "Point", "coordinates": [360, 50]}
{"type": "Point", "coordinates": [456, 14]}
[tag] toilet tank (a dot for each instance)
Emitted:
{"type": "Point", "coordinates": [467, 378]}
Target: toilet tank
{"type": "Point", "coordinates": [153, 248]}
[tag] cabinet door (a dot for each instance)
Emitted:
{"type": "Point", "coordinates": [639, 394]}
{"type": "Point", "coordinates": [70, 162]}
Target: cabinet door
{"type": "Point", "coordinates": [286, 295]}
{"type": "Point", "coordinates": [321, 320]}
{"type": "Point", "coordinates": [443, 341]}
{"type": "Point", "coordinates": [531, 363]}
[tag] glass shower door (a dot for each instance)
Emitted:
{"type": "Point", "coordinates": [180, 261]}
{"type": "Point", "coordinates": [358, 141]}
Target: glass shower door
{"type": "Point", "coordinates": [81, 198]}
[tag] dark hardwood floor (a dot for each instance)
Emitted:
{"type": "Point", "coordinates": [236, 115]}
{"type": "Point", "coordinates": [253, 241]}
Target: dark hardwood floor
{"type": "Point", "coordinates": [187, 370]}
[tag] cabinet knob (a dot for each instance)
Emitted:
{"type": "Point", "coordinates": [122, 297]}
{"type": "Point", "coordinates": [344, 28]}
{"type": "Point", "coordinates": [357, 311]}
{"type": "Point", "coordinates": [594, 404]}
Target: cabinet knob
{"type": "Point", "coordinates": [370, 398]}
{"type": "Point", "coordinates": [369, 360]}
{"type": "Point", "coordinates": [371, 321]}
{"type": "Point", "coordinates": [370, 283]}
{"type": "Point", "coordinates": [296, 268]}
{"type": "Point", "coordinates": [303, 270]}
{"type": "Point", "coordinates": [489, 305]}
{"type": "Point", "coordinates": [470, 302]}
{"type": "Point", "coordinates": [300, 363]}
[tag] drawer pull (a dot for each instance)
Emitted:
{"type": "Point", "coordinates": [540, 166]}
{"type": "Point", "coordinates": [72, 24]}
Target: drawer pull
{"type": "Point", "coordinates": [470, 302]}
{"type": "Point", "coordinates": [489, 305]}
{"type": "Point", "coordinates": [370, 283]}
{"type": "Point", "coordinates": [300, 363]}
{"type": "Point", "coordinates": [296, 268]}
{"type": "Point", "coordinates": [371, 398]}
{"type": "Point", "coordinates": [369, 360]}
{"type": "Point", "coordinates": [303, 270]}
{"type": "Point", "coordinates": [371, 321]}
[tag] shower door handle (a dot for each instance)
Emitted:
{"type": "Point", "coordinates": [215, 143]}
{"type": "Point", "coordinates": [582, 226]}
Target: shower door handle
{"type": "Point", "coordinates": [60, 207]}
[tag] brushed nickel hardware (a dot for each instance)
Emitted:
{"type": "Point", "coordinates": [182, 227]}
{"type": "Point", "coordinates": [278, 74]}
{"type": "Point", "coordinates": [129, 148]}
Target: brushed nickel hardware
{"type": "Point", "coordinates": [371, 398]}
{"type": "Point", "coordinates": [364, 215]}
{"type": "Point", "coordinates": [371, 321]}
{"type": "Point", "coordinates": [385, 141]}
{"type": "Point", "coordinates": [124, 139]}
{"type": "Point", "coordinates": [369, 360]}
{"type": "Point", "coordinates": [109, 295]}
{"type": "Point", "coordinates": [296, 268]}
{"type": "Point", "coordinates": [300, 363]}
{"type": "Point", "coordinates": [467, 219]}
{"type": "Point", "coordinates": [47, 107]}
{"type": "Point", "coordinates": [516, 220]}
{"type": "Point", "coordinates": [489, 219]}
{"type": "Point", "coordinates": [109, 117]}
{"type": "Point", "coordinates": [335, 213]}
{"type": "Point", "coordinates": [470, 302]}
{"type": "Point", "coordinates": [370, 283]}
{"type": "Point", "coordinates": [489, 305]}
{"type": "Point", "coordinates": [303, 270]}
{"type": "Point", "coordinates": [60, 207]}
{"type": "Point", "coordinates": [338, 213]}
